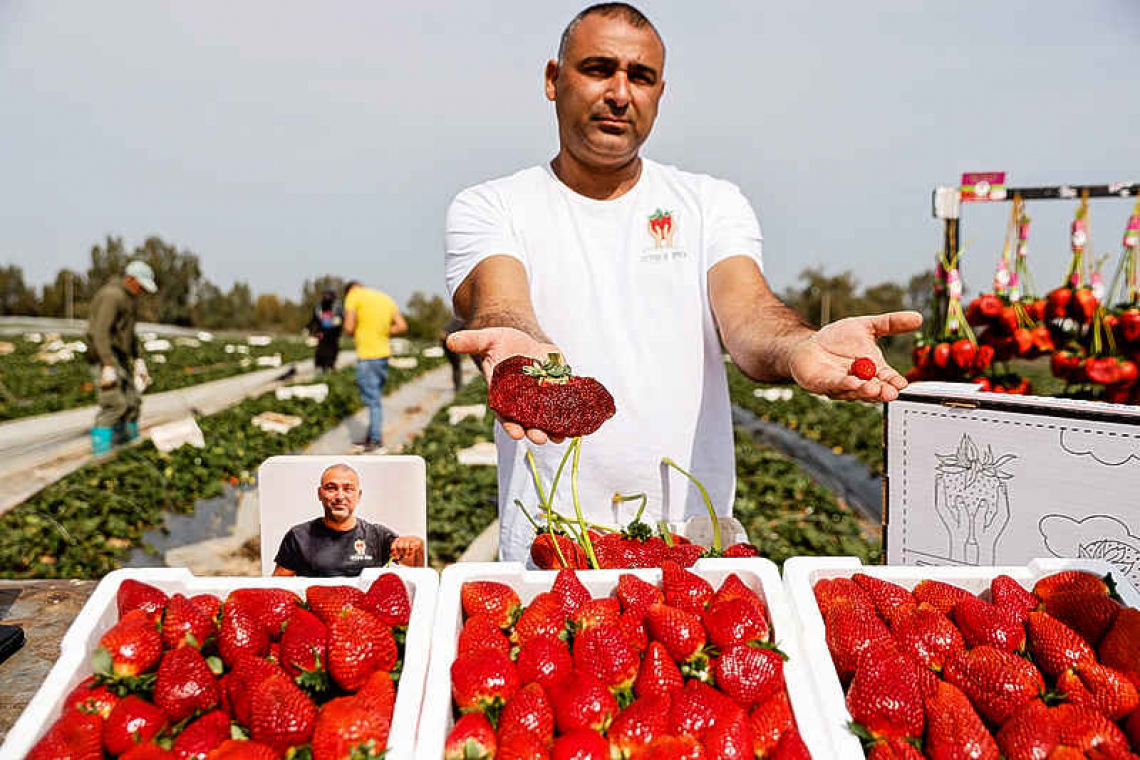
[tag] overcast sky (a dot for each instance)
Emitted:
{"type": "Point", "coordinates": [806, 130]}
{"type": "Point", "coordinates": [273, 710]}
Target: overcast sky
{"type": "Point", "coordinates": [282, 140]}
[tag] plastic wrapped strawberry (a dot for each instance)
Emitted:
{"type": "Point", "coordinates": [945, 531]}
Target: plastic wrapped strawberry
{"type": "Point", "coordinates": [546, 395]}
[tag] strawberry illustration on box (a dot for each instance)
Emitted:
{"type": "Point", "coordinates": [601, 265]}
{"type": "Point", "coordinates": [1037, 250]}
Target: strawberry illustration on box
{"type": "Point", "coordinates": [972, 500]}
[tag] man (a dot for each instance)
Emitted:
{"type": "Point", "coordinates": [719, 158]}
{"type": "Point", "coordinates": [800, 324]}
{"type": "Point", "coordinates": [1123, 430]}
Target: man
{"type": "Point", "coordinates": [326, 325]}
{"type": "Point", "coordinates": [339, 543]}
{"type": "Point", "coordinates": [635, 272]}
{"type": "Point", "coordinates": [119, 373]}
{"type": "Point", "coordinates": [371, 317]}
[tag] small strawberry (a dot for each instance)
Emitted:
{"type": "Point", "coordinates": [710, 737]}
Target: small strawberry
{"type": "Point", "coordinates": [1089, 614]}
{"type": "Point", "coordinates": [568, 554]}
{"type": "Point", "coordinates": [1031, 732]}
{"type": "Point", "coordinates": [497, 600]}
{"type": "Point", "coordinates": [941, 595]}
{"type": "Point", "coordinates": [771, 719]}
{"type": "Point", "coordinates": [210, 605]}
{"type": "Point", "coordinates": [136, 595]}
{"type": "Point", "coordinates": [734, 588]}
{"type": "Point", "coordinates": [926, 634]}
{"type": "Point", "coordinates": [983, 623]}
{"type": "Point", "coordinates": [241, 749]}
{"type": "Point", "coordinates": [863, 368]}
{"type": "Point", "coordinates": [185, 685]}
{"type": "Point", "coordinates": [697, 708]}
{"type": "Point", "coordinates": [304, 650]}
{"type": "Point", "coordinates": [90, 696]}
{"type": "Point", "coordinates": [851, 630]}
{"type": "Point", "coordinates": [74, 736]}
{"type": "Point", "coordinates": [953, 728]}
{"type": "Point", "coordinates": [637, 725]}
{"type": "Point", "coordinates": [359, 644]}
{"type": "Point", "coordinates": [1070, 580]}
{"type": "Point", "coordinates": [681, 632]}
{"type": "Point", "coordinates": [731, 737]}
{"type": "Point", "coordinates": [1086, 729]}
{"type": "Point", "coordinates": [582, 701]}
{"type": "Point", "coordinates": [542, 617]}
{"type": "Point", "coordinates": [1055, 647]}
{"type": "Point", "coordinates": [684, 555]}
{"type": "Point", "coordinates": [483, 681]}
{"type": "Point", "coordinates": [184, 624]}
{"type": "Point", "coordinates": [742, 551]}
{"type": "Point", "coordinates": [1011, 596]}
{"type": "Point", "coordinates": [471, 738]}
{"type": "Point", "coordinates": [346, 729]}
{"type": "Point", "coordinates": [546, 395]}
{"type": "Point", "coordinates": [270, 607]}
{"type": "Point", "coordinates": [568, 588]}
{"type": "Point", "coordinates": [1107, 691]}
{"type": "Point", "coordinates": [240, 634]}
{"type": "Point", "coordinates": [203, 735]}
{"type": "Point", "coordinates": [387, 599]}
{"type": "Point", "coordinates": [895, 749]}
{"type": "Point", "coordinates": [378, 694]}
{"type": "Point", "coordinates": [835, 592]}
{"type": "Point", "coordinates": [996, 681]}
{"type": "Point", "coordinates": [885, 699]}
{"type": "Point", "coordinates": [602, 651]}
{"type": "Point", "coordinates": [281, 715]}
{"type": "Point", "coordinates": [133, 721]}
{"type": "Point", "coordinates": [582, 744]}
{"type": "Point", "coordinates": [480, 633]}
{"type": "Point", "coordinates": [148, 752]}
{"type": "Point", "coordinates": [544, 660]}
{"type": "Point", "coordinates": [658, 675]}
{"type": "Point", "coordinates": [671, 748]}
{"type": "Point", "coordinates": [683, 589]}
{"type": "Point", "coordinates": [886, 596]}
{"type": "Point", "coordinates": [614, 552]}
{"type": "Point", "coordinates": [129, 649]}
{"type": "Point", "coordinates": [632, 625]}
{"type": "Point", "coordinates": [595, 612]}
{"type": "Point", "coordinates": [327, 602]}
{"type": "Point", "coordinates": [521, 746]}
{"type": "Point", "coordinates": [248, 673]}
{"type": "Point", "coordinates": [1120, 647]}
{"type": "Point", "coordinates": [791, 747]}
{"type": "Point", "coordinates": [734, 621]}
{"type": "Point", "coordinates": [750, 674]}
{"type": "Point", "coordinates": [529, 712]}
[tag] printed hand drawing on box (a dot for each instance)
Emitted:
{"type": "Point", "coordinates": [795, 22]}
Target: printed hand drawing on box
{"type": "Point", "coordinates": [971, 498]}
{"type": "Point", "coordinates": [1096, 537]}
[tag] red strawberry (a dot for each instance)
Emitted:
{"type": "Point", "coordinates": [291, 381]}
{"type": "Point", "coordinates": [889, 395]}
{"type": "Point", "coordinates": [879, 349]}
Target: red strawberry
{"type": "Point", "coordinates": [734, 621]}
{"type": "Point", "coordinates": [1030, 732]}
{"type": "Point", "coordinates": [270, 607]}
{"type": "Point", "coordinates": [546, 395]}
{"type": "Point", "coordinates": [480, 633]}
{"type": "Point", "coordinates": [1086, 729]}
{"type": "Point", "coordinates": [684, 555]}
{"type": "Point", "coordinates": [1009, 595]}
{"type": "Point", "coordinates": [346, 729]}
{"type": "Point", "coordinates": [1055, 647]}
{"type": "Point", "coordinates": [953, 728]}
{"type": "Point", "coordinates": [240, 634]}
{"type": "Point", "coordinates": [240, 749]}
{"type": "Point", "coordinates": [1132, 727]}
{"type": "Point", "coordinates": [671, 748]}
{"type": "Point", "coordinates": [770, 720]}
{"type": "Point", "coordinates": [1089, 614]}
{"type": "Point", "coordinates": [851, 630]}
{"type": "Point", "coordinates": [894, 749]}
{"type": "Point", "coordinates": [528, 712]}
{"type": "Point", "coordinates": [697, 708]}
{"type": "Point", "coordinates": [210, 605]}
{"type": "Point", "coordinates": [614, 552]}
{"type": "Point", "coordinates": [683, 589]}
{"type": "Point", "coordinates": [1107, 691]}
{"type": "Point", "coordinates": [132, 647]}
{"type": "Point", "coordinates": [570, 590]}
{"type": "Point", "coordinates": [742, 551]}
{"type": "Point", "coordinates": [359, 644]}
{"type": "Point", "coordinates": [497, 600]}
{"type": "Point", "coordinates": [136, 595]}
{"type": "Point", "coordinates": [133, 721]}
{"type": "Point", "coordinates": [926, 634]}
{"type": "Point", "coordinates": [547, 557]}
{"type": "Point", "coordinates": [835, 592]}
{"type": "Point", "coordinates": [1057, 302]}
{"type": "Point", "coordinates": [681, 632]}
{"type": "Point", "coordinates": [941, 595]}
{"type": "Point", "coordinates": [304, 650]}
{"type": "Point", "coordinates": [74, 736]}
{"type": "Point", "coordinates": [186, 625]}
{"type": "Point", "coordinates": [996, 681]}
{"type": "Point", "coordinates": [637, 725]}
{"type": "Point", "coordinates": [595, 612]}
{"type": "Point", "coordinates": [248, 672]}
{"type": "Point", "coordinates": [1083, 306]}
{"type": "Point", "coordinates": [203, 735]}
{"type": "Point", "coordinates": [863, 368]}
{"type": "Point", "coordinates": [185, 685]}
{"type": "Point", "coordinates": [582, 701]}
{"type": "Point", "coordinates": [941, 355]}
{"type": "Point", "coordinates": [582, 744]}
{"type": "Point", "coordinates": [1120, 647]}
{"type": "Point", "coordinates": [521, 746]}
{"type": "Point", "coordinates": [983, 623]}
{"type": "Point", "coordinates": [327, 602]}
{"type": "Point", "coordinates": [734, 588]}
{"type": "Point", "coordinates": [387, 599]}
{"type": "Point", "coordinates": [658, 675]}
{"type": "Point", "coordinates": [885, 698]}
{"type": "Point", "coordinates": [281, 715]}
{"type": "Point", "coordinates": [378, 693]}
{"type": "Point", "coordinates": [148, 752]}
{"type": "Point", "coordinates": [483, 680]}
{"type": "Point", "coordinates": [471, 738]}
{"type": "Point", "coordinates": [1070, 580]}
{"type": "Point", "coordinates": [632, 625]}
{"type": "Point", "coordinates": [731, 736]}
{"type": "Point", "coordinates": [962, 353]}
{"type": "Point", "coordinates": [544, 660]}
{"type": "Point", "coordinates": [91, 697]}
{"type": "Point", "coordinates": [886, 596]}
{"type": "Point", "coordinates": [748, 674]}
{"type": "Point", "coordinates": [603, 652]}
{"type": "Point", "coordinates": [542, 617]}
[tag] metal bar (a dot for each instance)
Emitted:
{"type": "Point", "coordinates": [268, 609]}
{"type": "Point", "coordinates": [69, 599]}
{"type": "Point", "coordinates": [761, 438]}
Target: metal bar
{"type": "Point", "coordinates": [1070, 192]}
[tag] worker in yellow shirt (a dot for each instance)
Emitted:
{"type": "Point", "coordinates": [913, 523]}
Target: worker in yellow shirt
{"type": "Point", "coordinates": [370, 317]}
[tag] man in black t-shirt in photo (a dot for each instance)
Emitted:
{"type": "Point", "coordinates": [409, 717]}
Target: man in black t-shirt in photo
{"type": "Point", "coordinates": [339, 543]}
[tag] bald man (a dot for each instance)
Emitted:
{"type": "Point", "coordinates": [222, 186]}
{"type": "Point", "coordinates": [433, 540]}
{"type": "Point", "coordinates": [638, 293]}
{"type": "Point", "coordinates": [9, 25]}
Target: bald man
{"type": "Point", "coordinates": [339, 543]}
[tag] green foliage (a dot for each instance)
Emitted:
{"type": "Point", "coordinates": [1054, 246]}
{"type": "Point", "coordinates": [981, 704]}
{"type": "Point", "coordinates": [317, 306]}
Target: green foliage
{"type": "Point", "coordinates": [83, 525]}
{"type": "Point", "coordinates": [426, 316]}
{"type": "Point", "coordinates": [15, 296]}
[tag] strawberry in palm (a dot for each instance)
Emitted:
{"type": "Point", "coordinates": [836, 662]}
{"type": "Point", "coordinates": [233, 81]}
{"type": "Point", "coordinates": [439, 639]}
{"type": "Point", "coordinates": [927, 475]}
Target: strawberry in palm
{"type": "Point", "coordinates": [548, 396]}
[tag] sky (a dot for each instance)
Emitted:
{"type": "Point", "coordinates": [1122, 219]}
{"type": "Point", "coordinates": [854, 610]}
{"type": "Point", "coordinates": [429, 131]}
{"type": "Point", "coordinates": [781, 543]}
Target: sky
{"type": "Point", "coordinates": [283, 140]}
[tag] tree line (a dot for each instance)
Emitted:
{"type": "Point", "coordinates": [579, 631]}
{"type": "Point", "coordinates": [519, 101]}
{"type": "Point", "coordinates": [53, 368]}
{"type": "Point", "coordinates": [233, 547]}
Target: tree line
{"type": "Point", "coordinates": [187, 298]}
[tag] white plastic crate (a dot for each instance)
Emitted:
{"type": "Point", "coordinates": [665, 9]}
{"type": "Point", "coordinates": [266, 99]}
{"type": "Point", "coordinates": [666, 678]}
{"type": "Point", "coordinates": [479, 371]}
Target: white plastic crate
{"type": "Point", "coordinates": [101, 612]}
{"type": "Point", "coordinates": [761, 575]}
{"type": "Point", "coordinates": [802, 573]}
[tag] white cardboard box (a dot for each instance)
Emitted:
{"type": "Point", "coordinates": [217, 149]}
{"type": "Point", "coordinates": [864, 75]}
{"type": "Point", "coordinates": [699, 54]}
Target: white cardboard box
{"type": "Point", "coordinates": [979, 478]}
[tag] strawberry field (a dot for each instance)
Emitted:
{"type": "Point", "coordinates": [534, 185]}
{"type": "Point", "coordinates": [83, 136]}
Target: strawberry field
{"type": "Point", "coordinates": [53, 375]}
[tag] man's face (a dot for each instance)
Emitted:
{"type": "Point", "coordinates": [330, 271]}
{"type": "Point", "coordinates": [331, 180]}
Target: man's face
{"type": "Point", "coordinates": [606, 90]}
{"type": "Point", "coordinates": [339, 493]}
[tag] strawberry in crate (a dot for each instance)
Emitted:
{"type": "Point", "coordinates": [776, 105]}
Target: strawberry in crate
{"type": "Point", "coordinates": [671, 670]}
{"type": "Point", "coordinates": [937, 671]}
{"type": "Point", "coordinates": [184, 677]}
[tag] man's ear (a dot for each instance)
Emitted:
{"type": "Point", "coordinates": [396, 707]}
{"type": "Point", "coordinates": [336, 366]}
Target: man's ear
{"type": "Point", "coordinates": [551, 77]}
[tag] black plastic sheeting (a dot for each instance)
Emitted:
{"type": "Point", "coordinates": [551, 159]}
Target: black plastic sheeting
{"type": "Point", "coordinates": [843, 474]}
{"type": "Point", "coordinates": [211, 518]}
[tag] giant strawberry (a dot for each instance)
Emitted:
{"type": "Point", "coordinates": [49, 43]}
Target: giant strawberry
{"type": "Point", "coordinates": [548, 396]}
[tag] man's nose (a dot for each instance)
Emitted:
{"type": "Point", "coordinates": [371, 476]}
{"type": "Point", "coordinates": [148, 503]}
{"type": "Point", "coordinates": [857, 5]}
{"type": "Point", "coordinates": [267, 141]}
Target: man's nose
{"type": "Point", "coordinates": [617, 95]}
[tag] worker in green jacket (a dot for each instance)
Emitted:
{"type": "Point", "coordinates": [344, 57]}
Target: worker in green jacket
{"type": "Point", "coordinates": [119, 372]}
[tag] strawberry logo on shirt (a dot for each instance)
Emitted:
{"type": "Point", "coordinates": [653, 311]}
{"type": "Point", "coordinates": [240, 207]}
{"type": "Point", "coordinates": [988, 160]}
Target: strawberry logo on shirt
{"type": "Point", "coordinates": [661, 228]}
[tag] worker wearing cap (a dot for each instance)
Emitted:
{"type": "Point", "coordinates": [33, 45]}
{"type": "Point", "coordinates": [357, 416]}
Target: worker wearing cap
{"type": "Point", "coordinates": [119, 373]}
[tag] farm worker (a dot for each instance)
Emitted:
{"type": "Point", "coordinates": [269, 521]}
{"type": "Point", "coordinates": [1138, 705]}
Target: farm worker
{"type": "Point", "coordinates": [339, 543]}
{"type": "Point", "coordinates": [371, 317]}
{"type": "Point", "coordinates": [326, 325]}
{"type": "Point", "coordinates": [119, 372]}
{"type": "Point", "coordinates": [636, 272]}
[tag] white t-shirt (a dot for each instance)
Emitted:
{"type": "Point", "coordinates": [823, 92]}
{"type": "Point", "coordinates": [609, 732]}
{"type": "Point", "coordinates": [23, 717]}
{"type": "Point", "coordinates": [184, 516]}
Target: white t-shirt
{"type": "Point", "coordinates": [621, 287]}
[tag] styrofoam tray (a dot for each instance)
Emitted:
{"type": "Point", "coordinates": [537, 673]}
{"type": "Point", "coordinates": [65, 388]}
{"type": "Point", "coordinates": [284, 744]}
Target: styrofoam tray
{"type": "Point", "coordinates": [101, 612]}
{"type": "Point", "coordinates": [802, 573]}
{"type": "Point", "coordinates": [436, 718]}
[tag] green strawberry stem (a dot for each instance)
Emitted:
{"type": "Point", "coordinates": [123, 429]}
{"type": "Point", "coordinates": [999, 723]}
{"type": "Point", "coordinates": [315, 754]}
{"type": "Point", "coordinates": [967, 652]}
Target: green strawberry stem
{"type": "Point", "coordinates": [577, 446]}
{"type": "Point", "coordinates": [618, 498]}
{"type": "Point", "coordinates": [708, 503]}
{"type": "Point", "coordinates": [666, 534]}
{"type": "Point", "coordinates": [548, 502]}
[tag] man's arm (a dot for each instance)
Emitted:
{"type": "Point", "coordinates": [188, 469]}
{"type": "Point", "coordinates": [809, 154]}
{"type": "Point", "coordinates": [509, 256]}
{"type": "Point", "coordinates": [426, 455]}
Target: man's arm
{"type": "Point", "coordinates": [283, 572]}
{"type": "Point", "coordinates": [399, 325]}
{"type": "Point", "coordinates": [101, 319]}
{"type": "Point", "coordinates": [350, 321]}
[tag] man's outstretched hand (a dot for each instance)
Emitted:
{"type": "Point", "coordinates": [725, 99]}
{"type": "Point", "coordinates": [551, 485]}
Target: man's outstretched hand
{"type": "Point", "coordinates": [491, 346]}
{"type": "Point", "coordinates": [822, 363]}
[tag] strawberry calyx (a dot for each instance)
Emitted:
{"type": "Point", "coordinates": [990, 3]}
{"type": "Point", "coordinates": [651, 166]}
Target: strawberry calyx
{"type": "Point", "coordinates": [552, 371]}
{"type": "Point", "coordinates": [103, 668]}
